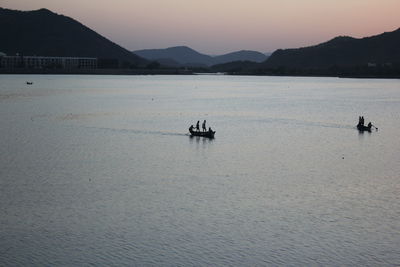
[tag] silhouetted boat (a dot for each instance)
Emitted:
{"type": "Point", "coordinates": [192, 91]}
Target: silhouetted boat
{"type": "Point", "coordinates": [363, 128]}
{"type": "Point", "coordinates": [29, 83]}
{"type": "Point", "coordinates": [207, 134]}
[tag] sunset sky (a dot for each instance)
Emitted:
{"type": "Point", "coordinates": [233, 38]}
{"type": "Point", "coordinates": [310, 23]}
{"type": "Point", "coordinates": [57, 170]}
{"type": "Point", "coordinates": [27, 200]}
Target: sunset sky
{"type": "Point", "coordinates": [222, 26]}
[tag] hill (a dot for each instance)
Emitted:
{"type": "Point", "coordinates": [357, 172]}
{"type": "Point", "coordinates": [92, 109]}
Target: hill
{"type": "Point", "coordinates": [181, 54]}
{"type": "Point", "coordinates": [243, 55]}
{"type": "Point", "coordinates": [186, 56]}
{"type": "Point", "coordinates": [341, 52]}
{"type": "Point", "coordinates": [375, 56]}
{"type": "Point", "coordinates": [44, 33]}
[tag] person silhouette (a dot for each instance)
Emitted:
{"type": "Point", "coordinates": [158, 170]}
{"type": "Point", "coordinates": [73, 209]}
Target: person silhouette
{"type": "Point", "coordinates": [204, 126]}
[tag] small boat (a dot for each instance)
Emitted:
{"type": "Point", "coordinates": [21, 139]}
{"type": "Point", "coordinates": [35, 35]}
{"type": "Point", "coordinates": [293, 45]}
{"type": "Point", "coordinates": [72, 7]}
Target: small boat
{"type": "Point", "coordinates": [29, 83]}
{"type": "Point", "coordinates": [207, 134]}
{"type": "Point", "coordinates": [363, 128]}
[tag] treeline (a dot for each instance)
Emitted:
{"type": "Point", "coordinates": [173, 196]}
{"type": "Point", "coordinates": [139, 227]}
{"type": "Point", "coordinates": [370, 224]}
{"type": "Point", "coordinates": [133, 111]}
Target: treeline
{"type": "Point", "coordinates": [250, 68]}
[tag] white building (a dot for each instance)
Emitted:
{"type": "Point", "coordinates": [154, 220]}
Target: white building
{"type": "Point", "coordinates": [38, 62]}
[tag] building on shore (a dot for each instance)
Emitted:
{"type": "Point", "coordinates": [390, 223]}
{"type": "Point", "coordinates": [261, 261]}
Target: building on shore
{"type": "Point", "coordinates": [41, 62]}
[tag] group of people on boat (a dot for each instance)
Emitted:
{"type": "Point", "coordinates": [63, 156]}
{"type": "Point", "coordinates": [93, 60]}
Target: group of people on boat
{"type": "Point", "coordinates": [361, 123]}
{"type": "Point", "coordinates": [203, 126]}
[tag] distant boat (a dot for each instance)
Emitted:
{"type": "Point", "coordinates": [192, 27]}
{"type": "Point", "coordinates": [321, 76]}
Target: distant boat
{"type": "Point", "coordinates": [363, 128]}
{"type": "Point", "coordinates": [29, 83]}
{"type": "Point", "coordinates": [207, 134]}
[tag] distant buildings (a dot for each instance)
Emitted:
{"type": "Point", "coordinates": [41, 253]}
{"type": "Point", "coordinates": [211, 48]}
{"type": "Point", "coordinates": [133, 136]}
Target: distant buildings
{"type": "Point", "coordinates": [39, 62]}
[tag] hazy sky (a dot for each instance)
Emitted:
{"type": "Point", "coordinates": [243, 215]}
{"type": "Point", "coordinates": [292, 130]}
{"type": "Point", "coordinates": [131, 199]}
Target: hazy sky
{"type": "Point", "coordinates": [221, 26]}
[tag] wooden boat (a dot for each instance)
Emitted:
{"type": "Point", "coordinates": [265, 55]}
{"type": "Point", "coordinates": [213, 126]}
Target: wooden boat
{"type": "Point", "coordinates": [207, 134]}
{"type": "Point", "coordinates": [363, 128]}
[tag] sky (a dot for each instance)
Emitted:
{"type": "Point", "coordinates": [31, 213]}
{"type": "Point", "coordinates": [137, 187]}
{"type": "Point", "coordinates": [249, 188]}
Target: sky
{"type": "Point", "coordinates": [222, 26]}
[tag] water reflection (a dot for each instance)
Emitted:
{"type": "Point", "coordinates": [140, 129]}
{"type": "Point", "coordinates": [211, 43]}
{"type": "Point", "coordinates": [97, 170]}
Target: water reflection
{"type": "Point", "coordinates": [135, 131]}
{"type": "Point", "coordinates": [285, 182]}
{"type": "Point", "coordinates": [361, 134]}
{"type": "Point", "coordinates": [200, 139]}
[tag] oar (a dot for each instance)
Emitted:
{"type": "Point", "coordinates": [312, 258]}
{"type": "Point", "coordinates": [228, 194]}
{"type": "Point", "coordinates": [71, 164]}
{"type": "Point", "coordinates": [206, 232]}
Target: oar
{"type": "Point", "coordinates": [376, 128]}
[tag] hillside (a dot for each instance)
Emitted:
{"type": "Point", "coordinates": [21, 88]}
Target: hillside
{"type": "Point", "coordinates": [186, 56]}
{"type": "Point", "coordinates": [342, 52]}
{"type": "Point", "coordinates": [243, 55]}
{"type": "Point", "coordinates": [181, 54]}
{"type": "Point", "coordinates": [44, 33]}
{"type": "Point", "coordinates": [375, 56]}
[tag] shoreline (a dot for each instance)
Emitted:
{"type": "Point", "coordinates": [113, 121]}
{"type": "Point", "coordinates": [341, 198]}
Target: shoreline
{"type": "Point", "coordinates": [98, 71]}
{"type": "Point", "coordinates": [171, 72]}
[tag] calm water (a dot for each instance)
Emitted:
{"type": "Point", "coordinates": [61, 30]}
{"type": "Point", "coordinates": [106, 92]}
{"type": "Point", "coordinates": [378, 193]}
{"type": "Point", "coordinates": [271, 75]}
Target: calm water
{"type": "Point", "coordinates": [99, 170]}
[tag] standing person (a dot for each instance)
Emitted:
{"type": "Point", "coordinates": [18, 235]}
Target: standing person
{"type": "Point", "coordinates": [198, 126]}
{"type": "Point", "coordinates": [204, 126]}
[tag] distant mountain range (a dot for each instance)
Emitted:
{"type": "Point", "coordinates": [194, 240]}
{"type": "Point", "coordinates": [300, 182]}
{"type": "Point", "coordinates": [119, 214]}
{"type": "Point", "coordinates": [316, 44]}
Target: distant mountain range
{"type": "Point", "coordinates": [44, 33]}
{"type": "Point", "coordinates": [341, 52]}
{"type": "Point", "coordinates": [185, 56]}
{"type": "Point", "coordinates": [331, 57]}
{"type": "Point", "coordinates": [375, 56]}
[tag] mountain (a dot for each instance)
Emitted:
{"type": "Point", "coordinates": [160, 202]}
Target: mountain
{"type": "Point", "coordinates": [243, 55]}
{"type": "Point", "coordinates": [181, 54]}
{"type": "Point", "coordinates": [341, 52]}
{"type": "Point", "coordinates": [268, 54]}
{"type": "Point", "coordinates": [189, 57]}
{"type": "Point", "coordinates": [44, 33]}
{"type": "Point", "coordinates": [375, 56]}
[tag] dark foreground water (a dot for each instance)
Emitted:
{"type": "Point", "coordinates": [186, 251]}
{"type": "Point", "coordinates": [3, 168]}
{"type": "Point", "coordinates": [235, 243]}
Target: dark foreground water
{"type": "Point", "coordinates": [99, 170]}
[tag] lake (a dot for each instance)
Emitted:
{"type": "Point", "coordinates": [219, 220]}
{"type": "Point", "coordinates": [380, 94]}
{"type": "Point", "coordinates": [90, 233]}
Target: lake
{"type": "Point", "coordinates": [101, 171]}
